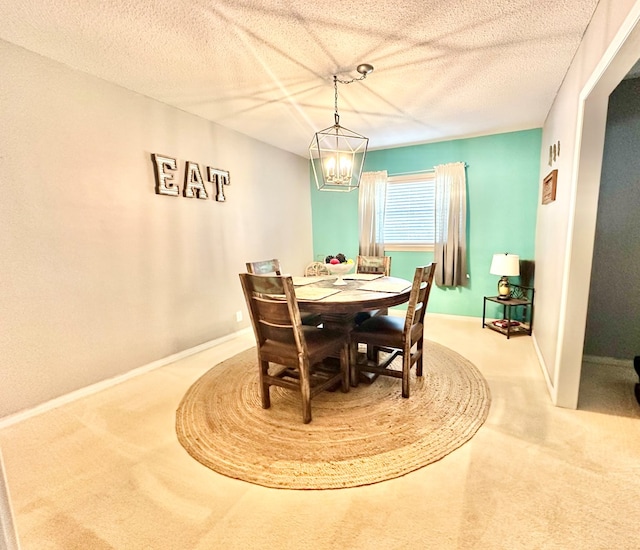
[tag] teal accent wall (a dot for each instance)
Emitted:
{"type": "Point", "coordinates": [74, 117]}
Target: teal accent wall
{"type": "Point", "coordinates": [502, 193]}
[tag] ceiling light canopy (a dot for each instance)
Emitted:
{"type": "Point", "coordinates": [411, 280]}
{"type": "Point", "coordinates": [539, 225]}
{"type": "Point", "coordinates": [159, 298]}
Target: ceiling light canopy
{"type": "Point", "coordinates": [337, 154]}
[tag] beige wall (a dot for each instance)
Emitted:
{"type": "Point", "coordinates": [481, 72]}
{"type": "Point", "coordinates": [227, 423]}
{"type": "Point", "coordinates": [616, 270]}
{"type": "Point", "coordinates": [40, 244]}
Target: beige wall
{"type": "Point", "coordinates": [565, 228]}
{"type": "Point", "coordinates": [99, 274]}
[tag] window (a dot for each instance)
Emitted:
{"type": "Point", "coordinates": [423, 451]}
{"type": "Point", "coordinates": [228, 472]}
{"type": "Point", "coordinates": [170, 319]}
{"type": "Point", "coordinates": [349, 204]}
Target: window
{"type": "Point", "coordinates": [409, 222]}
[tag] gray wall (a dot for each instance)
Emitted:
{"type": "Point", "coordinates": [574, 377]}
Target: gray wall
{"type": "Point", "coordinates": [99, 274]}
{"type": "Point", "coordinates": [613, 320]}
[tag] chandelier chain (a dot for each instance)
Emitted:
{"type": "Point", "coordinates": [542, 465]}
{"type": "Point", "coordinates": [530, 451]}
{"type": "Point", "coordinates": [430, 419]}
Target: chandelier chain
{"type": "Point", "coordinates": [350, 81]}
{"type": "Point", "coordinates": [364, 70]}
{"type": "Point", "coordinates": [336, 116]}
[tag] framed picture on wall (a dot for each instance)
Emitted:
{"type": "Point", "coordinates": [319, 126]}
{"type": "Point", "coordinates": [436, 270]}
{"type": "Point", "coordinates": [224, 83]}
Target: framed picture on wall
{"type": "Point", "coordinates": [549, 187]}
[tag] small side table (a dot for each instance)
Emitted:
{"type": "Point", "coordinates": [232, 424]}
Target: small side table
{"type": "Point", "coordinates": [520, 297]}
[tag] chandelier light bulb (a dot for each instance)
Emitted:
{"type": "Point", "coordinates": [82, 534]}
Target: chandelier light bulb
{"type": "Point", "coordinates": [330, 168]}
{"type": "Point", "coordinates": [345, 168]}
{"type": "Point", "coordinates": [338, 172]}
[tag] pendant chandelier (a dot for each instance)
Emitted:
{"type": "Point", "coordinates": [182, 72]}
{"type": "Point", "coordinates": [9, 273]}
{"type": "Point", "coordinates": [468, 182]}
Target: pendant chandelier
{"type": "Point", "coordinates": [337, 153]}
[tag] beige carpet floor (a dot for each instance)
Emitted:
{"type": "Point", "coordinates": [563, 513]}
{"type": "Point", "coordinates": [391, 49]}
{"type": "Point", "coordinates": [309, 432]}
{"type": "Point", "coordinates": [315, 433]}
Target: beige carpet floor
{"type": "Point", "coordinates": [107, 472]}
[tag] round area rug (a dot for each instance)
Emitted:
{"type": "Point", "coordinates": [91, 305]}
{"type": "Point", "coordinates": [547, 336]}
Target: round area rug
{"type": "Point", "coordinates": [367, 435]}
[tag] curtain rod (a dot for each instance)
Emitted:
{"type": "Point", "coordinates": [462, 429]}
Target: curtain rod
{"type": "Point", "coordinates": [428, 170]}
{"type": "Point", "coordinates": [414, 172]}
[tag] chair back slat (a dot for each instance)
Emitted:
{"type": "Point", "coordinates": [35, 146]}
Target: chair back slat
{"type": "Point", "coordinates": [273, 311]}
{"type": "Point", "coordinates": [264, 267]}
{"type": "Point", "coordinates": [271, 286]}
{"type": "Point", "coordinates": [374, 264]}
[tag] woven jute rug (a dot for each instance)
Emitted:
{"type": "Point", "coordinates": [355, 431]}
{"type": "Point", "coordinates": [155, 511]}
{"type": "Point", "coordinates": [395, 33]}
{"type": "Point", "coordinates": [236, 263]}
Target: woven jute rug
{"type": "Point", "coordinates": [367, 435]}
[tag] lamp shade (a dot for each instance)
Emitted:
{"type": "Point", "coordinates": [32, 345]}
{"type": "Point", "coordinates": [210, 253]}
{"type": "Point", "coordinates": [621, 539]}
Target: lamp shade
{"type": "Point", "coordinates": [505, 265]}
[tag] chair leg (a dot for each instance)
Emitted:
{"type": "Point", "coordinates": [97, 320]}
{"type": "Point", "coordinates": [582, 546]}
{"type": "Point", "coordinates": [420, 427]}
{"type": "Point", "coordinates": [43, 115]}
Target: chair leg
{"type": "Point", "coordinates": [636, 366]}
{"type": "Point", "coordinates": [406, 371]}
{"type": "Point", "coordinates": [264, 387]}
{"type": "Point", "coordinates": [420, 356]}
{"type": "Point", "coordinates": [305, 390]}
{"type": "Point", "coordinates": [353, 367]}
{"type": "Point", "coordinates": [371, 353]}
{"type": "Point", "coordinates": [345, 367]}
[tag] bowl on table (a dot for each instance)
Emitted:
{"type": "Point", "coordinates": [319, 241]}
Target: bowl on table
{"type": "Point", "coordinates": [340, 270]}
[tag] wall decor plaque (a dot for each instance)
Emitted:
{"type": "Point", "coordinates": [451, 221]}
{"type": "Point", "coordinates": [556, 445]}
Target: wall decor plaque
{"type": "Point", "coordinates": [549, 187]}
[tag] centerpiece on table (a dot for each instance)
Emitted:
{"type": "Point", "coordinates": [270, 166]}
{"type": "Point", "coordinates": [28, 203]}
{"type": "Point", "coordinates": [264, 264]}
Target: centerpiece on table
{"type": "Point", "coordinates": [339, 265]}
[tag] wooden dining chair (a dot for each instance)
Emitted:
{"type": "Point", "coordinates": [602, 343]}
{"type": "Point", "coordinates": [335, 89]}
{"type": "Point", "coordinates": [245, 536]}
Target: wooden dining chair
{"type": "Point", "coordinates": [396, 336]}
{"type": "Point", "coordinates": [373, 265]}
{"type": "Point", "coordinates": [316, 269]}
{"type": "Point", "coordinates": [296, 351]}
{"type": "Point", "coordinates": [272, 267]}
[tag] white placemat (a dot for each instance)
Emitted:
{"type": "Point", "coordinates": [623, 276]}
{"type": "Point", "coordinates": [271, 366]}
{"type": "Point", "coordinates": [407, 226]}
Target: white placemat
{"type": "Point", "coordinates": [306, 293]}
{"type": "Point", "coordinates": [386, 285]}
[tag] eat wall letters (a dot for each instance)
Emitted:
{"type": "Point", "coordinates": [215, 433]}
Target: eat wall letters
{"type": "Point", "coordinates": [165, 168]}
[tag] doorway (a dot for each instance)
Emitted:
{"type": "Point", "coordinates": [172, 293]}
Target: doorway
{"type": "Point", "coordinates": [592, 116]}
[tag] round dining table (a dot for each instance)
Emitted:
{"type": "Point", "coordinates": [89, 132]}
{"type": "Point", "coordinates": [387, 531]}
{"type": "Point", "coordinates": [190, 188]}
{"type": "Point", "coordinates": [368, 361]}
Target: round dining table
{"type": "Point", "coordinates": [338, 305]}
{"type": "Point", "coordinates": [339, 309]}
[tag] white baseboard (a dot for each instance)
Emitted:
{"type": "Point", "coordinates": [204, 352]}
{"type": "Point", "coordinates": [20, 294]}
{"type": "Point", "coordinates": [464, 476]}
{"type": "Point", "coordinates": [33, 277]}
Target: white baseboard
{"type": "Point", "coordinates": [110, 382]}
{"type": "Point", "coordinates": [607, 361]}
{"type": "Point", "coordinates": [543, 367]}
{"type": "Point", "coordinates": [403, 312]}
{"type": "Point", "coordinates": [455, 317]}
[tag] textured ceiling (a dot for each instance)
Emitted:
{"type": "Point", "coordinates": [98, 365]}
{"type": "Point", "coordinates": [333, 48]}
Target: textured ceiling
{"type": "Point", "coordinates": [443, 68]}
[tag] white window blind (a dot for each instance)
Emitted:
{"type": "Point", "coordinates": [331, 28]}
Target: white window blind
{"type": "Point", "coordinates": [409, 211]}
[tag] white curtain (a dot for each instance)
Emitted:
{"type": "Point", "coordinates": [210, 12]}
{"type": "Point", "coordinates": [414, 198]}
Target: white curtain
{"type": "Point", "coordinates": [451, 225]}
{"type": "Point", "coordinates": [372, 195]}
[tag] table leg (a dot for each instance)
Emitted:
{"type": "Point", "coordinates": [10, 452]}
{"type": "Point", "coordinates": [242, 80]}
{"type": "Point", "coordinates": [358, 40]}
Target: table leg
{"type": "Point", "coordinates": [345, 322]}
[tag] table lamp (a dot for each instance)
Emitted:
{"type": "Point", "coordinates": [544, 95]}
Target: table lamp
{"type": "Point", "coordinates": [505, 265]}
